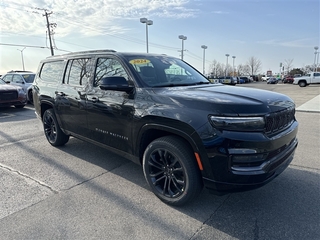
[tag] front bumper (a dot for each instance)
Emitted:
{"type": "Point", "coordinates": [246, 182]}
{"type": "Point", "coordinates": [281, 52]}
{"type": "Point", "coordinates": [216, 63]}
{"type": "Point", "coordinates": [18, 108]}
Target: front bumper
{"type": "Point", "coordinates": [243, 164]}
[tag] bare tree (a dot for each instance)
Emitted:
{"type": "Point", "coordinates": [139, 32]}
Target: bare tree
{"type": "Point", "coordinates": [243, 70]}
{"type": "Point", "coordinates": [213, 68]}
{"type": "Point", "coordinates": [288, 64]}
{"type": "Point", "coordinates": [216, 69]}
{"type": "Point", "coordinates": [254, 65]}
{"type": "Point", "coordinates": [220, 70]}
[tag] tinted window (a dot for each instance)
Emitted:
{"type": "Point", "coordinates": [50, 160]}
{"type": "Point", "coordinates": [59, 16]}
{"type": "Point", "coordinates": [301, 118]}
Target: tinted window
{"type": "Point", "coordinates": [28, 77]}
{"type": "Point", "coordinates": [108, 67]}
{"type": "Point", "coordinates": [17, 78]}
{"type": "Point", "coordinates": [165, 71]}
{"type": "Point", "coordinates": [7, 78]}
{"type": "Point", "coordinates": [52, 71]}
{"type": "Point", "coordinates": [78, 71]}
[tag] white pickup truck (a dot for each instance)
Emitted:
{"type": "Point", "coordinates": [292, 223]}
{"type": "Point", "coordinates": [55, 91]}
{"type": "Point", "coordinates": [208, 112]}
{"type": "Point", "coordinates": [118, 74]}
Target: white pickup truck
{"type": "Point", "coordinates": [310, 78]}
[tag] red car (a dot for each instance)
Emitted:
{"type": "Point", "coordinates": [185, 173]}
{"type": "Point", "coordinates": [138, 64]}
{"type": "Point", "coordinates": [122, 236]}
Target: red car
{"type": "Point", "coordinates": [11, 95]}
{"type": "Point", "coordinates": [288, 79]}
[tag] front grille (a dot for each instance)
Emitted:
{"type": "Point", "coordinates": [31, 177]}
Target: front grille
{"type": "Point", "coordinates": [278, 121]}
{"type": "Point", "coordinates": [8, 95]}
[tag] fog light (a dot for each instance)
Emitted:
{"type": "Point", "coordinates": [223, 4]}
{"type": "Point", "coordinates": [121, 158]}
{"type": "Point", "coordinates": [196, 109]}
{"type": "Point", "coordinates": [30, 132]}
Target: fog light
{"type": "Point", "coordinates": [248, 158]}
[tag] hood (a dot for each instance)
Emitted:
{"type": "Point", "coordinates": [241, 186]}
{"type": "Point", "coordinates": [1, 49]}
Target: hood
{"type": "Point", "coordinates": [8, 87]}
{"type": "Point", "coordinates": [225, 100]}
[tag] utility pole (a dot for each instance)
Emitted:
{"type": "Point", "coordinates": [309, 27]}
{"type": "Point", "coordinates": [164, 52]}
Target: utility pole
{"type": "Point", "coordinates": [49, 31]}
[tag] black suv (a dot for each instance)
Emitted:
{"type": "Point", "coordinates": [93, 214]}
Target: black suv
{"type": "Point", "coordinates": [160, 112]}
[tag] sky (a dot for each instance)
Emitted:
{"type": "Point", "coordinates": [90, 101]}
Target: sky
{"type": "Point", "coordinates": [272, 31]}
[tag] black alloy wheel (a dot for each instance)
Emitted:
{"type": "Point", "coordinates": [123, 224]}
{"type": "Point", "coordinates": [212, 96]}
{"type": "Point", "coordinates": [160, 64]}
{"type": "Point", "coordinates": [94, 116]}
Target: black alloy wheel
{"type": "Point", "coordinates": [171, 171]}
{"type": "Point", "coordinates": [30, 97]}
{"type": "Point", "coordinates": [19, 106]}
{"type": "Point", "coordinates": [52, 130]}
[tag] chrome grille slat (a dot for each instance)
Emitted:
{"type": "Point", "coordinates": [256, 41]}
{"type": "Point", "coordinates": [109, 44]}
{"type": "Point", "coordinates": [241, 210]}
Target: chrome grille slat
{"type": "Point", "coordinates": [8, 95]}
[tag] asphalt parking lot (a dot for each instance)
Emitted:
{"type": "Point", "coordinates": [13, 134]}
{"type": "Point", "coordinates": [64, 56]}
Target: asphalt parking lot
{"type": "Point", "coordinates": [81, 191]}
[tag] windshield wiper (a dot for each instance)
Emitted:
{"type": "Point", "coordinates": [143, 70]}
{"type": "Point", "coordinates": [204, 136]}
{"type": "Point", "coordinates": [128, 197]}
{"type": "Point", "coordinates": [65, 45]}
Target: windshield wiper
{"type": "Point", "coordinates": [201, 82]}
{"type": "Point", "coordinates": [181, 84]}
{"type": "Point", "coordinates": [174, 85]}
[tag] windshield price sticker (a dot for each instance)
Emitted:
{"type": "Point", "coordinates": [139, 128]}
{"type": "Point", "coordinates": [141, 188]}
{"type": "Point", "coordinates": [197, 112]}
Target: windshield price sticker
{"type": "Point", "coordinates": [139, 61]}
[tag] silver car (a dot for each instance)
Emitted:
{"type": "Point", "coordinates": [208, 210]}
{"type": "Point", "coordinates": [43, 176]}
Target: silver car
{"type": "Point", "coordinates": [23, 79]}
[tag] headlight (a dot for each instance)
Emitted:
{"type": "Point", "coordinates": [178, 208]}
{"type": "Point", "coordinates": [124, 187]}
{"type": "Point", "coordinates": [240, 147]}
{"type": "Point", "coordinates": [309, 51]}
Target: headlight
{"type": "Point", "coordinates": [242, 124]}
{"type": "Point", "coordinates": [21, 91]}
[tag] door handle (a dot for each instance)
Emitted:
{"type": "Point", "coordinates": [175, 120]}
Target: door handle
{"type": "Point", "coordinates": [93, 99]}
{"type": "Point", "coordinates": [62, 94]}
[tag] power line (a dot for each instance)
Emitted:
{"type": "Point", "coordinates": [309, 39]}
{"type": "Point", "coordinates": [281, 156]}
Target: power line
{"type": "Point", "coordinates": [21, 45]}
{"type": "Point", "coordinates": [30, 46]}
{"type": "Point", "coordinates": [94, 29]}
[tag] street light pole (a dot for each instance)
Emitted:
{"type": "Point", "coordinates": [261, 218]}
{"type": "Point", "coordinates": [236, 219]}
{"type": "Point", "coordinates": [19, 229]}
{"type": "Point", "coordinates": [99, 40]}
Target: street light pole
{"type": "Point", "coordinates": [204, 57]}
{"type": "Point", "coordinates": [182, 37]}
{"type": "Point", "coordinates": [227, 55]}
{"type": "Point", "coordinates": [233, 65]}
{"type": "Point", "coordinates": [315, 57]}
{"type": "Point", "coordinates": [147, 22]}
{"type": "Point", "coordinates": [22, 57]}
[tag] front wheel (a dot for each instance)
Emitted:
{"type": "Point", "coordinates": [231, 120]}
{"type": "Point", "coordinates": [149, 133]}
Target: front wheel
{"type": "Point", "coordinates": [171, 171]}
{"type": "Point", "coordinates": [19, 106]}
{"type": "Point", "coordinates": [30, 97]}
{"type": "Point", "coordinates": [52, 130]}
{"type": "Point", "coordinates": [302, 84]}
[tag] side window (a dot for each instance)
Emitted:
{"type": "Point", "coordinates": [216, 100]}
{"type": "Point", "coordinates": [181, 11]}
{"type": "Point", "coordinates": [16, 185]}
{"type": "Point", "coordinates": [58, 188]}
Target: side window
{"type": "Point", "coordinates": [7, 78]}
{"type": "Point", "coordinates": [316, 74]}
{"type": "Point", "coordinates": [52, 71]}
{"type": "Point", "coordinates": [17, 79]}
{"type": "Point", "coordinates": [108, 67]}
{"type": "Point", "coordinates": [28, 78]}
{"type": "Point", "coordinates": [78, 72]}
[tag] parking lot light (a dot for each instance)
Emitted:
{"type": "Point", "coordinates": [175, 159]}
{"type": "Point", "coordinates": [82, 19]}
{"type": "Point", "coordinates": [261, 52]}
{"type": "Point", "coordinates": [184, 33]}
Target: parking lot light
{"type": "Point", "coordinates": [22, 57]}
{"type": "Point", "coordinates": [227, 55]}
{"type": "Point", "coordinates": [233, 66]}
{"type": "Point", "coordinates": [315, 57]}
{"type": "Point", "coordinates": [204, 49]}
{"type": "Point", "coordinates": [147, 22]}
{"type": "Point", "coordinates": [182, 37]}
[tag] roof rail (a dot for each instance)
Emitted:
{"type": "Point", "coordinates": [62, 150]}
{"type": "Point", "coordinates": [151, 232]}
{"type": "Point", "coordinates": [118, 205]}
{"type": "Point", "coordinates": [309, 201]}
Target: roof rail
{"type": "Point", "coordinates": [17, 71]}
{"type": "Point", "coordinates": [92, 51]}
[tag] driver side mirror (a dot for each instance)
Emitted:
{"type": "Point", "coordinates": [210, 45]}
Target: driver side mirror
{"type": "Point", "coordinates": [115, 83]}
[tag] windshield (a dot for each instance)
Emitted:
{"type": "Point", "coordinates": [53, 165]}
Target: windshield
{"type": "Point", "coordinates": [29, 77]}
{"type": "Point", "coordinates": [1, 81]}
{"type": "Point", "coordinates": [163, 71]}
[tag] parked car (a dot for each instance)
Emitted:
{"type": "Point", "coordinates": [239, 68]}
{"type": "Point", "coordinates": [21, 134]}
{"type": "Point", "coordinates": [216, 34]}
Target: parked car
{"type": "Point", "coordinates": [12, 95]}
{"type": "Point", "coordinates": [228, 80]}
{"type": "Point", "coordinates": [272, 80]}
{"type": "Point", "coordinates": [265, 78]}
{"type": "Point", "coordinates": [245, 79]}
{"type": "Point", "coordinates": [160, 112]}
{"type": "Point", "coordinates": [24, 79]}
{"type": "Point", "coordinates": [288, 79]}
{"type": "Point", "coordinates": [310, 78]}
{"type": "Point", "coordinates": [240, 80]}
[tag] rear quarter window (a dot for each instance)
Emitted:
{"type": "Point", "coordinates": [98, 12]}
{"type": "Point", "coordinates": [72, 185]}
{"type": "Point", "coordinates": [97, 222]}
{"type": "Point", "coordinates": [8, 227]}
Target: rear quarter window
{"type": "Point", "coordinates": [52, 71]}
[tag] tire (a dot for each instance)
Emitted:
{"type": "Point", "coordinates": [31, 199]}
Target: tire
{"type": "Point", "coordinates": [302, 84]}
{"type": "Point", "coordinates": [52, 130]}
{"type": "Point", "coordinates": [19, 106]}
{"type": "Point", "coordinates": [30, 97]}
{"type": "Point", "coordinates": [171, 170]}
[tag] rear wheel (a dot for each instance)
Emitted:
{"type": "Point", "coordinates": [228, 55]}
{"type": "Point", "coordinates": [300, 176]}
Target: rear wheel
{"type": "Point", "coordinates": [302, 83]}
{"type": "Point", "coordinates": [52, 130]}
{"type": "Point", "coordinates": [19, 106]}
{"type": "Point", "coordinates": [171, 170]}
{"type": "Point", "coordinates": [30, 97]}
